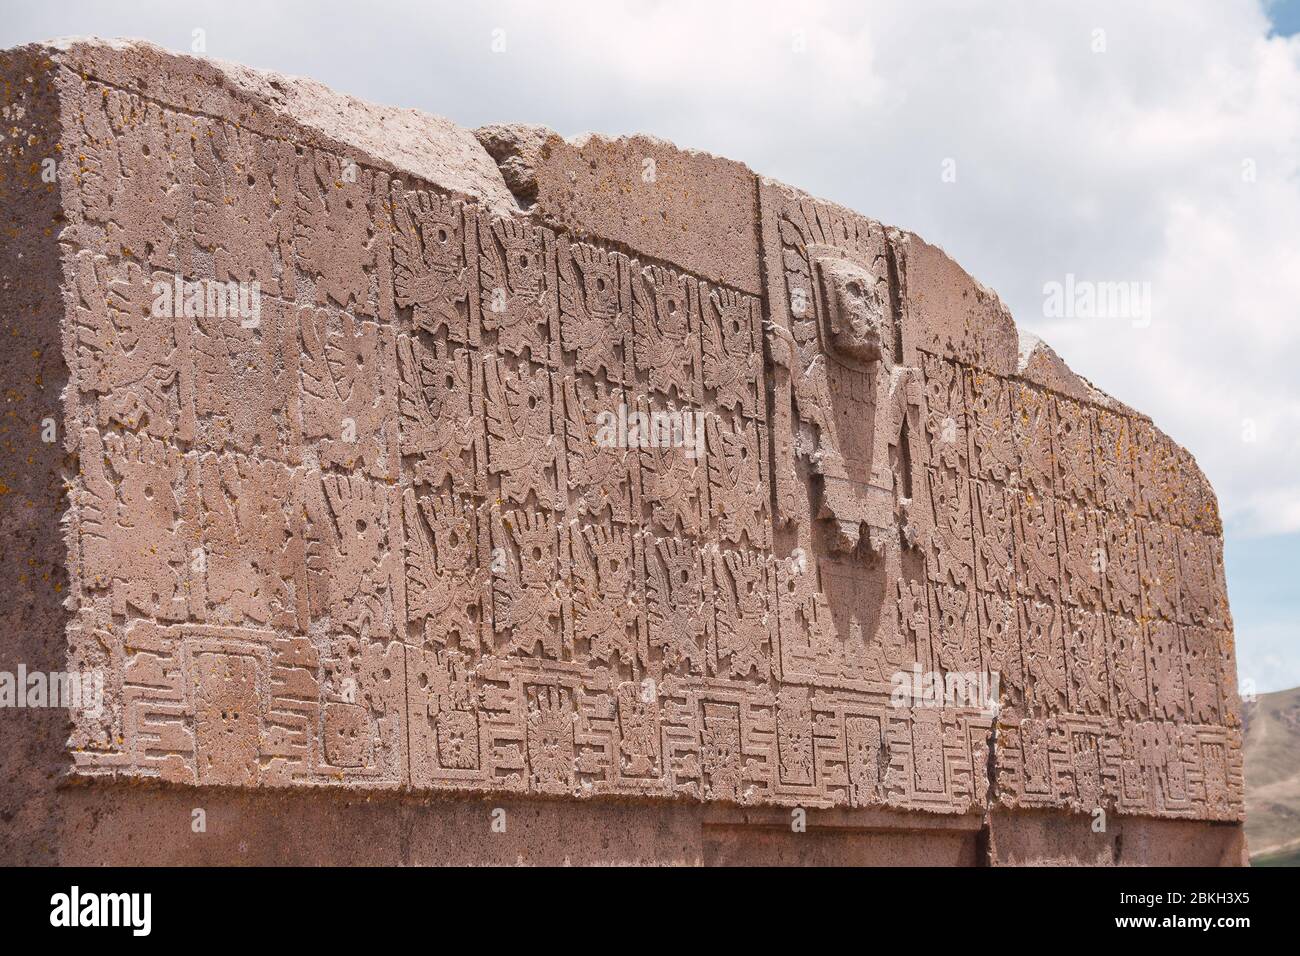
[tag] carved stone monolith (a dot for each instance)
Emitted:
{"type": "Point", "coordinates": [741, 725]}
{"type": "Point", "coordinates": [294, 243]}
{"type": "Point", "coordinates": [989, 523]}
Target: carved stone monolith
{"type": "Point", "coordinates": [397, 457]}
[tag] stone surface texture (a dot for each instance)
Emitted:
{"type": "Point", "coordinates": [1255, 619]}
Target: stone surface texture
{"type": "Point", "coordinates": [376, 542]}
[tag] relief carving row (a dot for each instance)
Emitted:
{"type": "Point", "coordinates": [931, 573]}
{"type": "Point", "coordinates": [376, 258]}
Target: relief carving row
{"type": "Point", "coordinates": [243, 707]}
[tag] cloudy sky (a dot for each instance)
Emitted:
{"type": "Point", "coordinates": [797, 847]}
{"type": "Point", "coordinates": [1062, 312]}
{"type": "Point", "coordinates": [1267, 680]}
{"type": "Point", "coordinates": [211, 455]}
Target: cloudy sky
{"type": "Point", "coordinates": [1154, 142]}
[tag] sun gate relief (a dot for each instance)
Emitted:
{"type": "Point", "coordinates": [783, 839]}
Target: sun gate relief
{"type": "Point", "coordinates": [418, 526]}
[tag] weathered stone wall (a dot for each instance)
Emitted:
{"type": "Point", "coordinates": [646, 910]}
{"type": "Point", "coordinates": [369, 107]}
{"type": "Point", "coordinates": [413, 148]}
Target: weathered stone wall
{"type": "Point", "coordinates": [374, 534]}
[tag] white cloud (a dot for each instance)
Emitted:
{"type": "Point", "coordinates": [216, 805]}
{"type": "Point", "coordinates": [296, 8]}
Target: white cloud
{"type": "Point", "coordinates": [1267, 660]}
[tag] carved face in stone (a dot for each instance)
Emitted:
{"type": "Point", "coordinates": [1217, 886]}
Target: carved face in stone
{"type": "Point", "coordinates": [859, 326]}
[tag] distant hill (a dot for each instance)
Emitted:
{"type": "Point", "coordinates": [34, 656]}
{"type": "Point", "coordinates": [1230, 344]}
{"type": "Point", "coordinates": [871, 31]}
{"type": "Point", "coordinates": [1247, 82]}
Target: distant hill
{"type": "Point", "coordinates": [1272, 751]}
